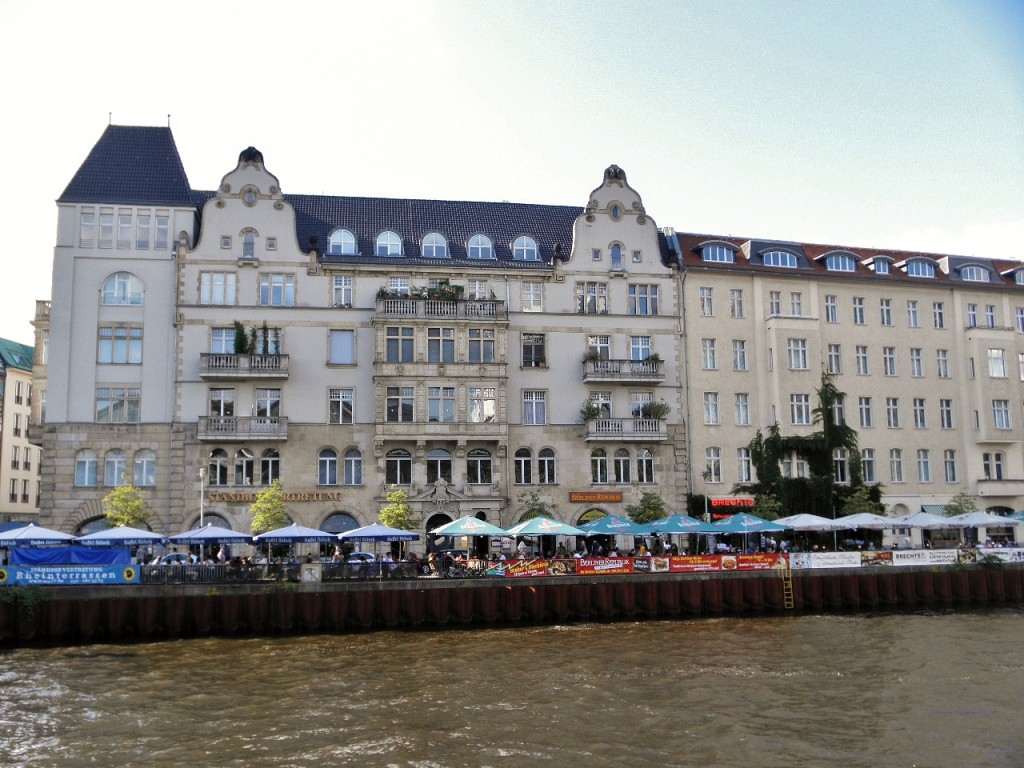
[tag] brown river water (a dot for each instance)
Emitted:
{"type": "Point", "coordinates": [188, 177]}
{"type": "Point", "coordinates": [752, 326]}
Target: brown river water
{"type": "Point", "coordinates": [922, 689]}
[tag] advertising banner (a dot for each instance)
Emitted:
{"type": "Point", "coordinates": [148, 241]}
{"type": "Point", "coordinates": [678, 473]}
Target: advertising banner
{"type": "Point", "coordinates": [68, 575]}
{"type": "Point", "coordinates": [591, 566]}
{"type": "Point", "coordinates": [870, 559]}
{"type": "Point", "coordinates": [519, 568]}
{"type": "Point", "coordinates": [760, 562]}
{"type": "Point", "coordinates": [695, 563]}
{"type": "Point", "coordinates": [825, 559]}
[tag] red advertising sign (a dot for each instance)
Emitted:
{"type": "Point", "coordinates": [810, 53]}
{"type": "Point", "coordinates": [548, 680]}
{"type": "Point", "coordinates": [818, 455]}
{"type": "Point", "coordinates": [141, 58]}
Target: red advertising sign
{"type": "Point", "coordinates": [761, 562]}
{"type": "Point", "coordinates": [694, 563]}
{"type": "Point", "coordinates": [519, 568]}
{"type": "Point", "coordinates": [597, 566]}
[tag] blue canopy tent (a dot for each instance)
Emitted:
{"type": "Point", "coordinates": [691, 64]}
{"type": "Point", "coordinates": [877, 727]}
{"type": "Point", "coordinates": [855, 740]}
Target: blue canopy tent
{"type": "Point", "coordinates": [679, 524]}
{"type": "Point", "coordinates": [32, 535]}
{"type": "Point", "coordinates": [120, 536]}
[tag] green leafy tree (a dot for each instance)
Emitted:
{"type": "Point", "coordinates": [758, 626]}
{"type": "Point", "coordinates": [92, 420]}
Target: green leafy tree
{"type": "Point", "coordinates": [268, 511]}
{"type": "Point", "coordinates": [650, 508]}
{"type": "Point", "coordinates": [124, 505]}
{"type": "Point", "coordinates": [531, 505]}
{"type": "Point", "coordinates": [241, 339]}
{"type": "Point", "coordinates": [960, 504]}
{"type": "Point", "coordinates": [767, 507]}
{"type": "Point", "coordinates": [860, 501]}
{"type": "Point", "coordinates": [397, 513]}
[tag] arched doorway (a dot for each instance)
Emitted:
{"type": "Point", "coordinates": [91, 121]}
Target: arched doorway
{"type": "Point", "coordinates": [337, 522]}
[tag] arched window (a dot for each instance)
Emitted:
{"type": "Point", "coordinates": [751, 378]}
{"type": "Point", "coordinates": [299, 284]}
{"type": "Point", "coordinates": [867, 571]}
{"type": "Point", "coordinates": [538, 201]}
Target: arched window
{"type": "Point", "coordinates": [398, 467]}
{"type": "Point", "coordinates": [974, 274]}
{"type": "Point", "coordinates": [644, 466]}
{"type": "Point", "coordinates": [918, 268]}
{"type": "Point", "coordinates": [840, 262]}
{"type": "Point", "coordinates": [439, 465]}
{"type": "Point", "coordinates": [389, 244]}
{"type": "Point", "coordinates": [598, 466]}
{"type": "Point", "coordinates": [217, 473]}
{"type": "Point", "coordinates": [327, 467]}
{"type": "Point", "coordinates": [248, 245]}
{"type": "Point", "coordinates": [881, 266]}
{"type": "Point", "coordinates": [717, 253]}
{"type": "Point", "coordinates": [123, 288]}
{"type": "Point", "coordinates": [115, 466]}
{"type": "Point", "coordinates": [480, 247]}
{"type": "Point", "coordinates": [780, 259]}
{"type": "Point", "coordinates": [86, 465]}
{"type": "Point", "coordinates": [622, 465]}
{"type": "Point", "coordinates": [353, 467]}
{"type": "Point", "coordinates": [342, 243]}
{"type": "Point", "coordinates": [478, 467]}
{"type": "Point", "coordinates": [245, 466]}
{"type": "Point", "coordinates": [270, 466]}
{"type": "Point", "coordinates": [546, 467]}
{"type": "Point", "coordinates": [616, 252]}
{"type": "Point", "coordinates": [145, 469]}
{"type": "Point", "coordinates": [435, 246]}
{"type": "Point", "coordinates": [339, 522]}
{"type": "Point", "coordinates": [525, 249]}
{"type": "Point", "coordinates": [524, 466]}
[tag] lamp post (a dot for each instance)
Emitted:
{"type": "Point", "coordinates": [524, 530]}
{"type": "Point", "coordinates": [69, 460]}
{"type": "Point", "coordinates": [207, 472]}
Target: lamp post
{"type": "Point", "coordinates": [706, 474]}
{"type": "Point", "coordinates": [202, 494]}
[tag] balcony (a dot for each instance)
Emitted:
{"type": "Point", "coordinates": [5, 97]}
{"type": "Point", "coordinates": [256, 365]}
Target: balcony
{"type": "Point", "coordinates": [410, 307]}
{"type": "Point", "coordinates": [441, 430]}
{"type": "Point", "coordinates": [1000, 487]}
{"type": "Point", "coordinates": [239, 428]}
{"type": "Point", "coordinates": [626, 430]}
{"type": "Point", "coordinates": [218, 367]}
{"type": "Point", "coordinates": [623, 371]}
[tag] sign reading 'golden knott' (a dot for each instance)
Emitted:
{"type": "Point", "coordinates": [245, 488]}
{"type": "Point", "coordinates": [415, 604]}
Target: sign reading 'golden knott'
{"type": "Point", "coordinates": [595, 496]}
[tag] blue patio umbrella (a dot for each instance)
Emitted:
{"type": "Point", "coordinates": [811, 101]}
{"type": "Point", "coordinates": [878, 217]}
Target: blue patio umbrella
{"type": "Point", "coordinates": [32, 535]}
{"type": "Point", "coordinates": [378, 532]}
{"type": "Point", "coordinates": [211, 534]}
{"type": "Point", "coordinates": [544, 526]}
{"type": "Point", "coordinates": [745, 523]}
{"type": "Point", "coordinates": [119, 536]}
{"type": "Point", "coordinates": [469, 526]}
{"type": "Point", "coordinates": [614, 525]}
{"type": "Point", "coordinates": [680, 524]}
{"type": "Point", "coordinates": [296, 534]}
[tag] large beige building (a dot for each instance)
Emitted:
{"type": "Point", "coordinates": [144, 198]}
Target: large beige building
{"type": "Point", "coordinates": [202, 344]}
{"type": "Point", "coordinates": [19, 458]}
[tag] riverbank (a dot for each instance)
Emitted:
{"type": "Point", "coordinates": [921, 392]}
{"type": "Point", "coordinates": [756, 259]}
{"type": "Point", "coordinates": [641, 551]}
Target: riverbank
{"type": "Point", "coordinates": [97, 614]}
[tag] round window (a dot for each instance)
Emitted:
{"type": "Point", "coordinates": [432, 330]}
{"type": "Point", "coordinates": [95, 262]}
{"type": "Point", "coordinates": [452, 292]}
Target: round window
{"type": "Point", "coordinates": [250, 197]}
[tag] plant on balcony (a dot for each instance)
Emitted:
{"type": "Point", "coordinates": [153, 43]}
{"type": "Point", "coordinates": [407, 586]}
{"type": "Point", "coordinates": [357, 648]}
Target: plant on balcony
{"type": "Point", "coordinates": [589, 410]}
{"type": "Point", "coordinates": [591, 356]}
{"type": "Point", "coordinates": [241, 339]}
{"type": "Point", "coordinates": [654, 357]}
{"type": "Point", "coordinates": [658, 410]}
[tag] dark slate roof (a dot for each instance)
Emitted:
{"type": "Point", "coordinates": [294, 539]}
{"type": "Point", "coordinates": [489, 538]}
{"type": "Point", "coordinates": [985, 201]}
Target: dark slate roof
{"type": "Point", "coordinates": [131, 165]}
{"type": "Point", "coordinates": [15, 355]}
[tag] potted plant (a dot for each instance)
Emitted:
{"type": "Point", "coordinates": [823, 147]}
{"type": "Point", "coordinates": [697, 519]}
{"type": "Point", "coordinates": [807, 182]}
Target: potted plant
{"type": "Point", "coordinates": [589, 410]}
{"type": "Point", "coordinates": [658, 410]}
{"type": "Point", "coordinates": [591, 356]}
{"type": "Point", "coordinates": [654, 357]}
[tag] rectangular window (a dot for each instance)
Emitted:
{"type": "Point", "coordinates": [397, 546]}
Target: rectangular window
{"type": "Point", "coordinates": [892, 412]}
{"type": "Point", "coordinates": [341, 292]}
{"type": "Point", "coordinates": [341, 406]}
{"type": "Point", "coordinates": [896, 465]}
{"type": "Point", "coordinates": [637, 402]}
{"type": "Point", "coordinates": [477, 290]}
{"type": "Point", "coordinates": [639, 347]}
{"type": "Point", "coordinates": [600, 346]}
{"type": "Point", "coordinates": [949, 465]}
{"type": "Point", "coordinates": [706, 301]}
{"type": "Point", "coordinates": [268, 403]}
{"type": "Point", "coordinates": [120, 346]}
{"type": "Point", "coordinates": [864, 408]}
{"type": "Point", "coordinates": [591, 298]}
{"type": "Point", "coordinates": [482, 404]}
{"type": "Point", "coordinates": [398, 406]}
{"type": "Point", "coordinates": [862, 360]}
{"type": "Point", "coordinates": [87, 230]}
{"type": "Point", "coordinates": [1001, 414]}
{"type": "Point", "coordinates": [709, 355]}
{"type": "Point", "coordinates": [831, 309]}
{"type": "Point", "coordinates": [398, 286]}
{"type": "Point", "coordinates": [924, 466]}
{"type": "Point", "coordinates": [711, 414]}
{"type": "Point", "coordinates": [946, 413]}
{"type": "Point", "coordinates": [800, 409]}
{"type": "Point", "coordinates": [106, 239]}
{"type": "Point", "coordinates": [643, 300]}
{"type": "Point", "coordinates": [1020, 319]}
{"type": "Point", "coordinates": [992, 465]}
{"type": "Point", "coordinates": [124, 229]}
{"type": "Point", "coordinates": [942, 363]}
{"type": "Point", "coordinates": [118, 405]}
{"type": "Point", "coordinates": [277, 290]}
{"type": "Point", "coordinates": [218, 288]}
{"type": "Point", "coordinates": [535, 407]}
{"type": "Point", "coordinates": [913, 319]}
{"type": "Point", "coordinates": [603, 401]}
{"type": "Point", "coordinates": [938, 314]}
{"type": "Point", "coordinates": [736, 303]}
{"type": "Point", "coordinates": [990, 315]}
{"type": "Point", "coordinates": [997, 363]}
{"type": "Point", "coordinates": [920, 416]}
{"type": "Point", "coordinates": [222, 403]}
{"type": "Point", "coordinates": [441, 404]}
{"type": "Point", "coordinates": [744, 466]}
{"type": "Point", "coordinates": [398, 344]}
{"type": "Point", "coordinates": [739, 355]}
{"type": "Point", "coordinates": [972, 315]}
{"type": "Point", "coordinates": [534, 355]}
{"type": "Point", "coordinates": [796, 304]}
{"type": "Point", "coordinates": [774, 303]}
{"type": "Point", "coordinates": [916, 363]}
{"type": "Point", "coordinates": [839, 411]}
{"type": "Point", "coordinates": [798, 354]}
{"type": "Point", "coordinates": [840, 465]}
{"type": "Point", "coordinates": [532, 296]}
{"type": "Point", "coordinates": [867, 465]}
{"type": "Point", "coordinates": [835, 359]}
{"type": "Point", "coordinates": [885, 310]}
{"type": "Point", "coordinates": [713, 462]}
{"type": "Point", "coordinates": [343, 347]}
{"type": "Point", "coordinates": [858, 310]}
{"type": "Point", "coordinates": [440, 345]}
{"type": "Point", "coordinates": [742, 409]}
{"type": "Point", "coordinates": [481, 345]}
{"type": "Point", "coordinates": [889, 361]}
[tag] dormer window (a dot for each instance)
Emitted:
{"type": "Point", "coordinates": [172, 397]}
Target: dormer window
{"type": "Point", "coordinates": [525, 249]}
{"type": "Point", "coordinates": [480, 247]}
{"type": "Point", "coordinates": [1018, 277]}
{"type": "Point", "coordinates": [342, 243]}
{"type": "Point", "coordinates": [918, 268]}
{"type": "Point", "coordinates": [881, 266]}
{"type": "Point", "coordinates": [840, 262]}
{"type": "Point", "coordinates": [718, 253]}
{"type": "Point", "coordinates": [974, 274]}
{"type": "Point", "coordinates": [435, 246]}
{"type": "Point", "coordinates": [779, 259]}
{"type": "Point", "coordinates": [389, 244]}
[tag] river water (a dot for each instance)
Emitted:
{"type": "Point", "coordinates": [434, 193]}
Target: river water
{"type": "Point", "coordinates": [924, 689]}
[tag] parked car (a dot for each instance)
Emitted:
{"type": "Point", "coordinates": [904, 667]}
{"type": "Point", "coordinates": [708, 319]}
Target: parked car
{"type": "Point", "coordinates": [360, 557]}
{"type": "Point", "coordinates": [172, 558]}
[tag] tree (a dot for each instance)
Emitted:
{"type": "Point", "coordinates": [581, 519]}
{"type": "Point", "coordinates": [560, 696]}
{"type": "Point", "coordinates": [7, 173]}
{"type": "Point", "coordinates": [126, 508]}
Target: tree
{"type": "Point", "coordinates": [960, 504]}
{"type": "Point", "coordinates": [241, 340]}
{"type": "Point", "coordinates": [650, 508]}
{"type": "Point", "coordinates": [124, 505]}
{"type": "Point", "coordinates": [767, 506]}
{"type": "Point", "coordinates": [531, 505]}
{"type": "Point", "coordinates": [860, 501]}
{"type": "Point", "coordinates": [397, 513]}
{"type": "Point", "coordinates": [268, 511]}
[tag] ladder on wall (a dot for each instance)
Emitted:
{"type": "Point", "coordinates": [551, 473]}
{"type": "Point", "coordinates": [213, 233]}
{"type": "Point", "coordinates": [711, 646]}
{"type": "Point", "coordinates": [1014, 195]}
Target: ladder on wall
{"type": "Point", "coordinates": [786, 574]}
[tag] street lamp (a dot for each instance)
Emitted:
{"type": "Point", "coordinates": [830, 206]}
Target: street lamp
{"type": "Point", "coordinates": [706, 474]}
{"type": "Point", "coordinates": [202, 494]}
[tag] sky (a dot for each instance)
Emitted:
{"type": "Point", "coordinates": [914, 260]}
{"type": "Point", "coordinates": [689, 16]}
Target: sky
{"type": "Point", "coordinates": [876, 124]}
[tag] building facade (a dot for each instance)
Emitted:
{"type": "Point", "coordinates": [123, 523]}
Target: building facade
{"type": "Point", "coordinates": [203, 344]}
{"type": "Point", "coordinates": [19, 458]}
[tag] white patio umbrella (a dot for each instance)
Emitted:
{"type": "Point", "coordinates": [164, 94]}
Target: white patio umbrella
{"type": "Point", "coordinates": [983, 519]}
{"type": "Point", "coordinates": [869, 521]}
{"type": "Point", "coordinates": [807, 522]}
{"type": "Point", "coordinates": [926, 521]}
